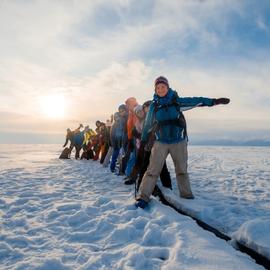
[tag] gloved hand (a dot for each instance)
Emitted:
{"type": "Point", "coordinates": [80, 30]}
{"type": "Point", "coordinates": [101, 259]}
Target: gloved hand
{"type": "Point", "coordinates": [217, 101]}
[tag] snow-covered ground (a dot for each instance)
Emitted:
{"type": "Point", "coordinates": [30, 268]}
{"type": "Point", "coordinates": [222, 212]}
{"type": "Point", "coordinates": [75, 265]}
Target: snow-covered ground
{"type": "Point", "coordinates": [232, 189]}
{"type": "Point", "coordinates": [71, 214]}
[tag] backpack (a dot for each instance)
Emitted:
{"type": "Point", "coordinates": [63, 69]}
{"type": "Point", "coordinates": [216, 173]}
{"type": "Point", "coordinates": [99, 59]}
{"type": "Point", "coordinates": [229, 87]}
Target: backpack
{"type": "Point", "coordinates": [180, 121]}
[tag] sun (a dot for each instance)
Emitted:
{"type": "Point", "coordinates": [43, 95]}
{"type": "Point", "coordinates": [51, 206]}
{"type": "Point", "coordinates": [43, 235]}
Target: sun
{"type": "Point", "coordinates": [53, 106]}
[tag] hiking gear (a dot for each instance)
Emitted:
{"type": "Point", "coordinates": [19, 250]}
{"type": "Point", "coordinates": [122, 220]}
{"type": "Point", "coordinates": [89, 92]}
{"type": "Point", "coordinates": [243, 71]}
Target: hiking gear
{"type": "Point", "coordinates": [65, 153]}
{"type": "Point", "coordinates": [161, 79]}
{"type": "Point", "coordinates": [130, 181]}
{"type": "Point", "coordinates": [189, 197]}
{"type": "Point", "coordinates": [141, 203]}
{"type": "Point", "coordinates": [147, 103]}
{"type": "Point", "coordinates": [224, 101]}
{"type": "Point", "coordinates": [165, 117]}
{"type": "Point", "coordinates": [178, 120]}
{"type": "Point", "coordinates": [138, 109]}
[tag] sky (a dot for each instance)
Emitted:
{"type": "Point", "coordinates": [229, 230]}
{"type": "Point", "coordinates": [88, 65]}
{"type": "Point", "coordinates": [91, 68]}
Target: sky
{"type": "Point", "coordinates": [65, 62]}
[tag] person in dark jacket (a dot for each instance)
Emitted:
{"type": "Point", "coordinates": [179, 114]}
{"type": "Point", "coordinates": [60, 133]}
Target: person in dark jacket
{"type": "Point", "coordinates": [110, 150]}
{"type": "Point", "coordinates": [104, 141]}
{"type": "Point", "coordinates": [165, 117]}
{"type": "Point", "coordinates": [70, 136]}
{"type": "Point", "coordinates": [125, 153]}
{"type": "Point", "coordinates": [116, 138]}
{"type": "Point", "coordinates": [75, 140]}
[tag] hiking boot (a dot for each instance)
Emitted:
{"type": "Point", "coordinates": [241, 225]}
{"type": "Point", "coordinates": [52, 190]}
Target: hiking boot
{"type": "Point", "coordinates": [141, 203]}
{"type": "Point", "coordinates": [130, 181]}
{"type": "Point", "coordinates": [190, 197]}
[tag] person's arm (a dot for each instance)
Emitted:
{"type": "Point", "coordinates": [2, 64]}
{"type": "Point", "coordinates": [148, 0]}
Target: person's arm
{"type": "Point", "coordinates": [195, 101]}
{"type": "Point", "coordinates": [130, 124]}
{"type": "Point", "coordinates": [65, 144]}
{"type": "Point", "coordinates": [148, 124]}
{"type": "Point", "coordinates": [201, 101]}
{"type": "Point", "coordinates": [112, 133]}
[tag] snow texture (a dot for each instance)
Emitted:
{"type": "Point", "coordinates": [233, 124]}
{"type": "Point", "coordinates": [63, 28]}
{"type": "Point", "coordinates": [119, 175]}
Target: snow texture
{"type": "Point", "coordinates": [232, 190]}
{"type": "Point", "coordinates": [73, 214]}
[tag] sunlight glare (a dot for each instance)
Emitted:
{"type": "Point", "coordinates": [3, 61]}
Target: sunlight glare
{"type": "Point", "coordinates": [53, 106]}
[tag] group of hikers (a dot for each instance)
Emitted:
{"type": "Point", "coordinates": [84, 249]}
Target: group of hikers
{"type": "Point", "coordinates": [139, 138]}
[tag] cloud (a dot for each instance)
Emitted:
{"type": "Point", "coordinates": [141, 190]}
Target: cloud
{"type": "Point", "coordinates": [98, 53]}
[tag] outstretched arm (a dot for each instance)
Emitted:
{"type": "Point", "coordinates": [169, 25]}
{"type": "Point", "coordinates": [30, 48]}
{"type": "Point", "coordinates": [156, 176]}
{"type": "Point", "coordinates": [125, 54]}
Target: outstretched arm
{"type": "Point", "coordinates": [195, 101]}
{"type": "Point", "coordinates": [201, 101]}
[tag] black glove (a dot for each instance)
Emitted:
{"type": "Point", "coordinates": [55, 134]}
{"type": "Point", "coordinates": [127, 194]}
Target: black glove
{"type": "Point", "coordinates": [217, 101]}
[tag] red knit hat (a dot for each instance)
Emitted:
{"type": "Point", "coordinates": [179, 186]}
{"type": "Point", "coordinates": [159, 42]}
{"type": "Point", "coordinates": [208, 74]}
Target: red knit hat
{"type": "Point", "coordinates": [161, 79]}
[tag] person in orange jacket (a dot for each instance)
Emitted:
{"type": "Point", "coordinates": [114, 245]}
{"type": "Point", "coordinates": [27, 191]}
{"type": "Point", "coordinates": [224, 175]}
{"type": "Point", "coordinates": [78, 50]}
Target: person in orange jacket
{"type": "Point", "coordinates": [131, 103]}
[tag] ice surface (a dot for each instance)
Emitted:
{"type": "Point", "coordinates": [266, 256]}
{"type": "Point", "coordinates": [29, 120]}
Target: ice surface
{"type": "Point", "coordinates": [232, 190]}
{"type": "Point", "coordinates": [71, 214]}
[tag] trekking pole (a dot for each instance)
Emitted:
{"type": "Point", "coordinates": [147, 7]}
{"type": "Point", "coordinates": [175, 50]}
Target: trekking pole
{"type": "Point", "coordinates": [135, 185]}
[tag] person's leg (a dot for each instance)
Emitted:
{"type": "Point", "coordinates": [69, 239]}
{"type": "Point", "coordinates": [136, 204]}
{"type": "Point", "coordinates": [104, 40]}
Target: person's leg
{"type": "Point", "coordinates": [124, 161]}
{"type": "Point", "coordinates": [78, 149]}
{"type": "Point", "coordinates": [158, 156]}
{"type": "Point", "coordinates": [104, 153]}
{"type": "Point", "coordinates": [114, 158]}
{"type": "Point", "coordinates": [130, 164]}
{"type": "Point", "coordinates": [97, 151]}
{"type": "Point", "coordinates": [108, 157]}
{"type": "Point", "coordinates": [145, 164]}
{"type": "Point", "coordinates": [180, 156]}
{"type": "Point", "coordinates": [165, 177]}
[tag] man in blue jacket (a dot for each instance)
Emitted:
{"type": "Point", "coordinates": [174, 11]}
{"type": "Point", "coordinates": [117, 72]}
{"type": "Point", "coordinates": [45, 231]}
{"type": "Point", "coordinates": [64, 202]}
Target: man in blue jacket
{"type": "Point", "coordinates": [166, 119]}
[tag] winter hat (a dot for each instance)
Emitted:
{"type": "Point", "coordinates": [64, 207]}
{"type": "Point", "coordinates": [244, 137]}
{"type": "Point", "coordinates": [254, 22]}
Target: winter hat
{"type": "Point", "coordinates": [138, 109]}
{"type": "Point", "coordinates": [147, 103]}
{"type": "Point", "coordinates": [131, 103]}
{"type": "Point", "coordinates": [161, 79]}
{"type": "Point", "coordinates": [86, 128]}
{"type": "Point", "coordinates": [122, 107]}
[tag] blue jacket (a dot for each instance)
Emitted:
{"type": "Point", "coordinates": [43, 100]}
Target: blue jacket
{"type": "Point", "coordinates": [117, 131]}
{"type": "Point", "coordinates": [79, 138]}
{"type": "Point", "coordinates": [159, 112]}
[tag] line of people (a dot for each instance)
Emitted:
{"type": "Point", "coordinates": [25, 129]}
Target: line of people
{"type": "Point", "coordinates": [139, 138]}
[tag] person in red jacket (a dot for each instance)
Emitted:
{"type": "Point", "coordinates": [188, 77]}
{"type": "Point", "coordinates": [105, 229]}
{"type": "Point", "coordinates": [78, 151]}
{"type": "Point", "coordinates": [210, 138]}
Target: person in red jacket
{"type": "Point", "coordinates": [131, 103]}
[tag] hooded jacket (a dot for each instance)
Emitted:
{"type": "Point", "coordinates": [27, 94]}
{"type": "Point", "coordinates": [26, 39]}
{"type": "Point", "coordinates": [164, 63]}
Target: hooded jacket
{"type": "Point", "coordinates": [161, 111]}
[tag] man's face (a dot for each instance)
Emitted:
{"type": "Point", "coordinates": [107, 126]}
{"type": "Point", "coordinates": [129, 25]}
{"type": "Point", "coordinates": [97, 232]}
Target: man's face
{"type": "Point", "coordinates": [161, 89]}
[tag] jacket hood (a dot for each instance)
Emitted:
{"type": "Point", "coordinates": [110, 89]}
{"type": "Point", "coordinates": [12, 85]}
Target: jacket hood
{"type": "Point", "coordinates": [166, 99]}
{"type": "Point", "coordinates": [131, 103]}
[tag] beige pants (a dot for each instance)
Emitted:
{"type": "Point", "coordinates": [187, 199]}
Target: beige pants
{"type": "Point", "coordinates": [159, 153]}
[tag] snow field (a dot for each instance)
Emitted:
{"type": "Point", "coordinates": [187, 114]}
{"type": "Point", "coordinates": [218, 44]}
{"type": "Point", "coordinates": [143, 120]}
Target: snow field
{"type": "Point", "coordinates": [232, 190]}
{"type": "Point", "coordinates": [69, 214]}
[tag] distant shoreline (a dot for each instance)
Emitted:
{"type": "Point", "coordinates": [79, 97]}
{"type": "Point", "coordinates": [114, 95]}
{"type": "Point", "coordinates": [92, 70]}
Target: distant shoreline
{"type": "Point", "coordinates": [191, 143]}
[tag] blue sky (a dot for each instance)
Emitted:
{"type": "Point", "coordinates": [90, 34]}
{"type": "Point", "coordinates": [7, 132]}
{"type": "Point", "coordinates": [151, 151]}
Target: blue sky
{"type": "Point", "coordinates": [96, 54]}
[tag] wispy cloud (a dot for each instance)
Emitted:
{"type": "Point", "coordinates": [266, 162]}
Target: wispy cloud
{"type": "Point", "coordinates": [98, 53]}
